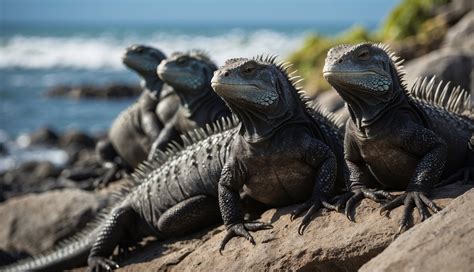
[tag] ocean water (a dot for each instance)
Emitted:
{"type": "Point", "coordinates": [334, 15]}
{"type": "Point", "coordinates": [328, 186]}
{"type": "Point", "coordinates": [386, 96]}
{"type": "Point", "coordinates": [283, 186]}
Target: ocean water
{"type": "Point", "coordinates": [35, 57]}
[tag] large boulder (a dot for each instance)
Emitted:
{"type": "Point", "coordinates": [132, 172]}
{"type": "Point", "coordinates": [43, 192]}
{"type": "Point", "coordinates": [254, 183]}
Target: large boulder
{"type": "Point", "coordinates": [35, 222]}
{"type": "Point", "coordinates": [76, 139]}
{"type": "Point", "coordinates": [331, 243]}
{"type": "Point", "coordinates": [461, 35]}
{"type": "Point", "coordinates": [442, 243]}
{"type": "Point", "coordinates": [447, 64]}
{"type": "Point", "coordinates": [43, 136]}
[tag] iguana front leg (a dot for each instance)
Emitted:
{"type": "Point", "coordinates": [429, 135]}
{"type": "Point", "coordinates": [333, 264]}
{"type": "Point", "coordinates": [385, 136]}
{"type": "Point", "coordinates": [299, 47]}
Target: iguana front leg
{"type": "Point", "coordinates": [360, 179]}
{"type": "Point", "coordinates": [109, 237]}
{"type": "Point", "coordinates": [322, 159]}
{"type": "Point", "coordinates": [418, 140]}
{"type": "Point", "coordinates": [231, 181]}
{"type": "Point", "coordinates": [168, 134]}
{"type": "Point", "coordinates": [150, 124]}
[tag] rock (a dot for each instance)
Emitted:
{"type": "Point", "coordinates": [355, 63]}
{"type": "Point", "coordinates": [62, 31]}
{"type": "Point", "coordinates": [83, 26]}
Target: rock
{"type": "Point", "coordinates": [461, 35]}
{"type": "Point", "coordinates": [45, 169]}
{"type": "Point", "coordinates": [110, 91]}
{"type": "Point", "coordinates": [32, 177]}
{"type": "Point", "coordinates": [455, 10]}
{"type": "Point", "coordinates": [43, 136]}
{"type": "Point", "coordinates": [442, 243]}
{"type": "Point", "coordinates": [330, 243]}
{"type": "Point", "coordinates": [446, 64]}
{"type": "Point", "coordinates": [331, 100]}
{"type": "Point", "coordinates": [77, 140]}
{"type": "Point", "coordinates": [36, 222]}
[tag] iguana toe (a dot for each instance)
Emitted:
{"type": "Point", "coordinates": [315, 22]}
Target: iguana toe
{"type": "Point", "coordinates": [312, 206]}
{"type": "Point", "coordinates": [242, 230]}
{"type": "Point", "coordinates": [379, 196]}
{"type": "Point", "coordinates": [410, 200]}
{"type": "Point", "coordinates": [99, 264]}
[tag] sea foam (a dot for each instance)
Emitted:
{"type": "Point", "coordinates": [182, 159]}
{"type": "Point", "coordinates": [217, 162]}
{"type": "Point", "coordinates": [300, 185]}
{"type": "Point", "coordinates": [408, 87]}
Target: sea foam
{"type": "Point", "coordinates": [105, 50]}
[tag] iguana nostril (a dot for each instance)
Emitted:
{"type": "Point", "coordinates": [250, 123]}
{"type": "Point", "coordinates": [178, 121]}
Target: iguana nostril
{"type": "Point", "coordinates": [340, 61]}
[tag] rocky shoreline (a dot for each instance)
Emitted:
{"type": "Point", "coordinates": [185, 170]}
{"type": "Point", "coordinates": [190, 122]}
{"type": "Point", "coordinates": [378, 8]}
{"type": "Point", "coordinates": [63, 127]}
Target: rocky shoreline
{"type": "Point", "coordinates": [87, 91]}
{"type": "Point", "coordinates": [42, 203]}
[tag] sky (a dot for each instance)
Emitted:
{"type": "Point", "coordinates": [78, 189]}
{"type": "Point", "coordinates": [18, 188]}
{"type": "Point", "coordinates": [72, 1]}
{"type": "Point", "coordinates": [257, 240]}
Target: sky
{"type": "Point", "coordinates": [219, 11]}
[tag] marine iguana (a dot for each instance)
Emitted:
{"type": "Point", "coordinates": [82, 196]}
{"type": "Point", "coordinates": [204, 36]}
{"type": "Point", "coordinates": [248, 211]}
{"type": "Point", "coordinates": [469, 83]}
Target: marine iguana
{"type": "Point", "coordinates": [280, 153]}
{"type": "Point", "coordinates": [189, 74]}
{"type": "Point", "coordinates": [397, 138]}
{"type": "Point", "coordinates": [133, 131]}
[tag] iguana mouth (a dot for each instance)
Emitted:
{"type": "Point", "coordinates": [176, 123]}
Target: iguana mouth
{"type": "Point", "coordinates": [352, 73]}
{"type": "Point", "coordinates": [170, 72]}
{"type": "Point", "coordinates": [240, 86]}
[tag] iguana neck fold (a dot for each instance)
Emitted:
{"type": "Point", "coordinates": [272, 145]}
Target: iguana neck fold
{"type": "Point", "coordinates": [193, 102]}
{"type": "Point", "coordinates": [366, 108]}
{"type": "Point", "coordinates": [152, 85]}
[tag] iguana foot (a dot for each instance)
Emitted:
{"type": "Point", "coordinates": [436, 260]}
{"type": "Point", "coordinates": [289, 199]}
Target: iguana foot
{"type": "Point", "coordinates": [99, 264]}
{"type": "Point", "coordinates": [352, 198]}
{"type": "Point", "coordinates": [312, 205]}
{"type": "Point", "coordinates": [410, 200]}
{"type": "Point", "coordinates": [242, 230]}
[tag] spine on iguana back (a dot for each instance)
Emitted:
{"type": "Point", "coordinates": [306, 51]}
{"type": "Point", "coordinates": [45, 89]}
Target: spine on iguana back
{"type": "Point", "coordinates": [442, 102]}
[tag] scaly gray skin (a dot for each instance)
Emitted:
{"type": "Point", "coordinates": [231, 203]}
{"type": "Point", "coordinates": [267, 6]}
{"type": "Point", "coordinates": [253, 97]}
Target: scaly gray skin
{"type": "Point", "coordinates": [397, 139]}
{"type": "Point", "coordinates": [133, 131]}
{"type": "Point", "coordinates": [189, 74]}
{"type": "Point", "coordinates": [279, 154]}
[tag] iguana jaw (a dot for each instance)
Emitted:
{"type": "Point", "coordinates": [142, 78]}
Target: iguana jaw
{"type": "Point", "coordinates": [179, 78]}
{"type": "Point", "coordinates": [243, 92]}
{"type": "Point", "coordinates": [368, 81]}
{"type": "Point", "coordinates": [138, 58]}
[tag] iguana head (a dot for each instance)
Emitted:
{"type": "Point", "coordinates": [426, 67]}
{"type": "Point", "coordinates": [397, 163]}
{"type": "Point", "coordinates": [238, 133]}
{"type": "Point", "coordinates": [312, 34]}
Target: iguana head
{"type": "Point", "coordinates": [189, 72]}
{"type": "Point", "coordinates": [259, 92]}
{"type": "Point", "coordinates": [365, 75]}
{"type": "Point", "coordinates": [143, 59]}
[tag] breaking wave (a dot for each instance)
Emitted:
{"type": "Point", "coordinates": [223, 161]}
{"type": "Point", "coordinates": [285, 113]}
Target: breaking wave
{"type": "Point", "coordinates": [104, 51]}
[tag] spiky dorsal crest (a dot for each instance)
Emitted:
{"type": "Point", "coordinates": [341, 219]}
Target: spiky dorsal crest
{"type": "Point", "coordinates": [198, 54]}
{"type": "Point", "coordinates": [441, 94]}
{"type": "Point", "coordinates": [174, 149]}
{"type": "Point", "coordinates": [453, 99]}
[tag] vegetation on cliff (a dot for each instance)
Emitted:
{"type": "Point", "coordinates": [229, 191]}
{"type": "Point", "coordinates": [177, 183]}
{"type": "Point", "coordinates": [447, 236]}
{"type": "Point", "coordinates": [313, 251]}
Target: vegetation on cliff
{"type": "Point", "coordinates": [412, 22]}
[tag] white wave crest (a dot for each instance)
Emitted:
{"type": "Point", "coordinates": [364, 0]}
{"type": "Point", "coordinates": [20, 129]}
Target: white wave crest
{"type": "Point", "coordinates": [105, 50]}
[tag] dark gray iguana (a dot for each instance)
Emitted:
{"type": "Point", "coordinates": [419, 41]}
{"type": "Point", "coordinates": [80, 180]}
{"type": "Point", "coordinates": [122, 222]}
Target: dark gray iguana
{"type": "Point", "coordinates": [280, 153]}
{"type": "Point", "coordinates": [189, 74]}
{"type": "Point", "coordinates": [397, 138]}
{"type": "Point", "coordinates": [133, 131]}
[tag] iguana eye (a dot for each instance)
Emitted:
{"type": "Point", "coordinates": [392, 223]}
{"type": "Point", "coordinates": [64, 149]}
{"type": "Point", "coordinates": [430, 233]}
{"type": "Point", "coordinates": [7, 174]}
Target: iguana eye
{"type": "Point", "coordinates": [364, 54]}
{"type": "Point", "coordinates": [248, 69]}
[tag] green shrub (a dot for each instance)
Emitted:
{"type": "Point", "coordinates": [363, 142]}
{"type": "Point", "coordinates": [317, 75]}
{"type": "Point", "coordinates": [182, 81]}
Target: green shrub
{"type": "Point", "coordinates": [407, 19]}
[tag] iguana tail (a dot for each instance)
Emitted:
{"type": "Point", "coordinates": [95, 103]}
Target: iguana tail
{"type": "Point", "coordinates": [71, 254]}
